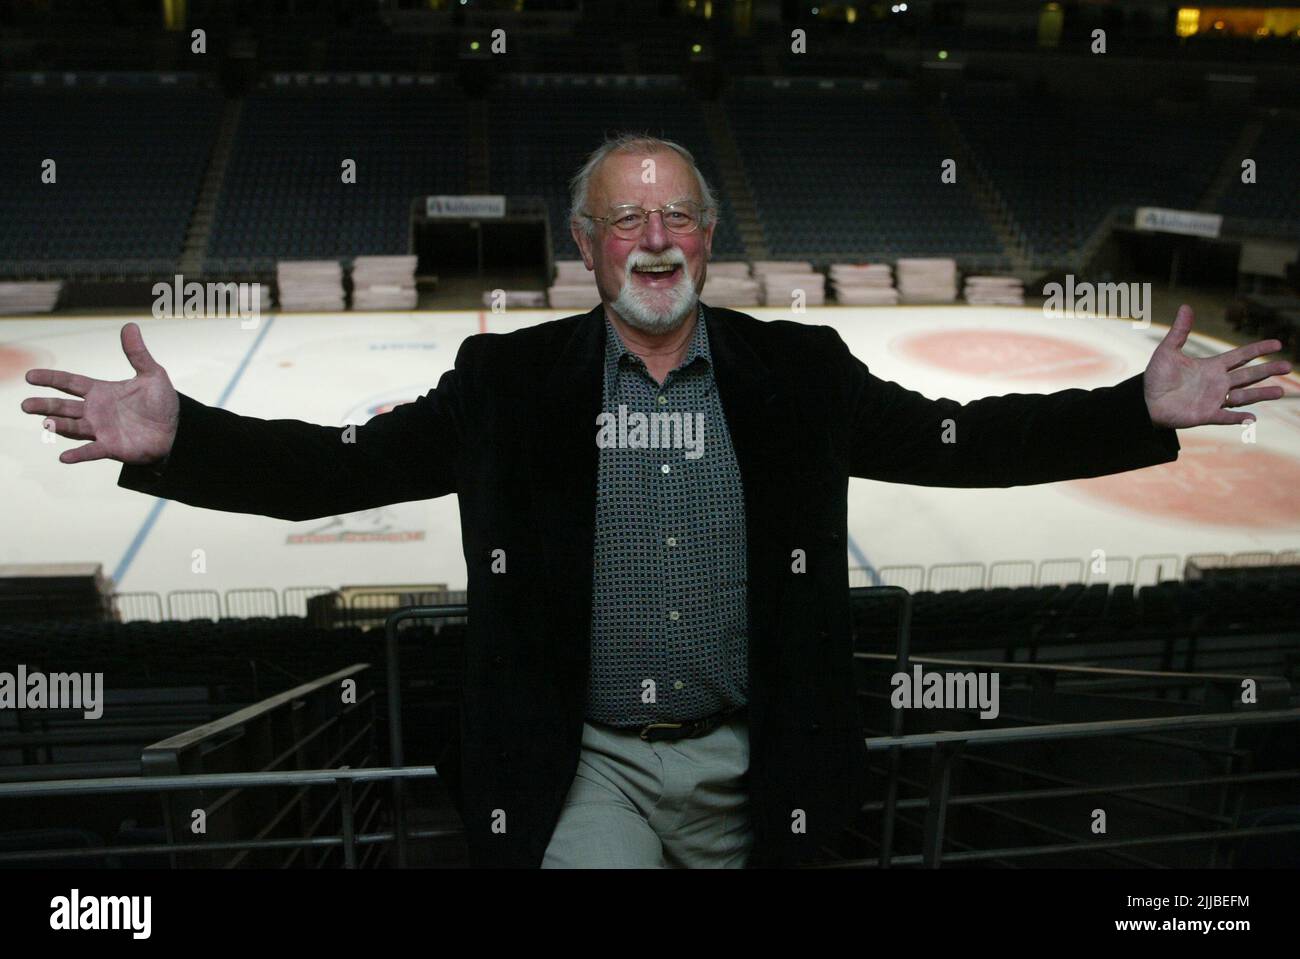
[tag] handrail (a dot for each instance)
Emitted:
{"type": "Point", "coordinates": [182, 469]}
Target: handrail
{"type": "Point", "coordinates": [397, 754]}
{"type": "Point", "coordinates": [196, 781]}
{"type": "Point", "coordinates": [1103, 727]}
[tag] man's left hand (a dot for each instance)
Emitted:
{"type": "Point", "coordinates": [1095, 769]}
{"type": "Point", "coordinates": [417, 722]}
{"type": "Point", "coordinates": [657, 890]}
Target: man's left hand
{"type": "Point", "coordinates": [1183, 391]}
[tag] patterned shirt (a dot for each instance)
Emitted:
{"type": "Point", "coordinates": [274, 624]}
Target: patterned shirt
{"type": "Point", "coordinates": [669, 631]}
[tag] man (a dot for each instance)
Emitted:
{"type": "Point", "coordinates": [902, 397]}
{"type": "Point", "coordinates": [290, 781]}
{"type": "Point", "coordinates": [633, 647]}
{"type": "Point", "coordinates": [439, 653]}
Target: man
{"type": "Point", "coordinates": [658, 662]}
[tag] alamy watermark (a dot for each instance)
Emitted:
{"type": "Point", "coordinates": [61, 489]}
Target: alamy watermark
{"type": "Point", "coordinates": [651, 431]}
{"type": "Point", "coordinates": [946, 690]}
{"type": "Point", "coordinates": [208, 300]}
{"type": "Point", "coordinates": [76, 912]}
{"type": "Point", "coordinates": [1113, 300]}
{"type": "Point", "coordinates": [37, 690]}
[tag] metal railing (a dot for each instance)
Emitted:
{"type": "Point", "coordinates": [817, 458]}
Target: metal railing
{"type": "Point", "coordinates": [1148, 570]}
{"type": "Point", "coordinates": [342, 779]}
{"type": "Point", "coordinates": [948, 747]}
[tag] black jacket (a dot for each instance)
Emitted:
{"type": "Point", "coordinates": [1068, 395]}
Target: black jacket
{"type": "Point", "coordinates": [511, 430]}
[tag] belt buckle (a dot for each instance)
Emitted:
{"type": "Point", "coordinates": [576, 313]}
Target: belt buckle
{"type": "Point", "coordinates": [646, 729]}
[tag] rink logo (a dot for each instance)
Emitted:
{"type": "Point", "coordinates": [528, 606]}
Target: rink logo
{"type": "Point", "coordinates": [367, 526]}
{"type": "Point", "coordinates": [651, 431]}
{"type": "Point", "coordinates": [207, 300]}
{"type": "Point", "coordinates": [922, 690]}
{"type": "Point", "coordinates": [1112, 300]}
{"type": "Point", "coordinates": [37, 690]}
{"type": "Point", "coordinates": [76, 913]}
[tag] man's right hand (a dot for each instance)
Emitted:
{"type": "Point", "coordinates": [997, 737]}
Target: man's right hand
{"type": "Point", "coordinates": [132, 421]}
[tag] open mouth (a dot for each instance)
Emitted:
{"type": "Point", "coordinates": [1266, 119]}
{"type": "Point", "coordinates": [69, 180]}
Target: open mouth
{"type": "Point", "coordinates": [658, 275]}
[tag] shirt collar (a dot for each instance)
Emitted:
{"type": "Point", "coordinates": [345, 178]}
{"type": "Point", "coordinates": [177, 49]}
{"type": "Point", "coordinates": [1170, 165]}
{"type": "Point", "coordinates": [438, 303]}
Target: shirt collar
{"type": "Point", "coordinates": [615, 349]}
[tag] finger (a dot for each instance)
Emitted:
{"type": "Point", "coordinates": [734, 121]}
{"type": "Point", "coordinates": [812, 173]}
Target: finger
{"type": "Point", "coordinates": [136, 352]}
{"type": "Point", "coordinates": [73, 383]}
{"type": "Point", "coordinates": [53, 406]}
{"type": "Point", "coordinates": [72, 429]}
{"type": "Point", "coordinates": [1177, 335]}
{"type": "Point", "coordinates": [1260, 371]}
{"type": "Point", "coordinates": [82, 454]}
{"type": "Point", "coordinates": [1231, 418]}
{"type": "Point", "coordinates": [1244, 354]}
{"type": "Point", "coordinates": [1246, 397]}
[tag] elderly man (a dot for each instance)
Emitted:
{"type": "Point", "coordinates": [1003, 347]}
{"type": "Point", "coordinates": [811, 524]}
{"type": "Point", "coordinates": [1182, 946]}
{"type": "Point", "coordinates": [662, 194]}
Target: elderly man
{"type": "Point", "coordinates": [660, 671]}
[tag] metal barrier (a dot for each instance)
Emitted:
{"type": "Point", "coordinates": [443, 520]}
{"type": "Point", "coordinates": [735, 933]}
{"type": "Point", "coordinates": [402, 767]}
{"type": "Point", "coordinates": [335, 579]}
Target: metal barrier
{"type": "Point", "coordinates": [309, 725]}
{"type": "Point", "coordinates": [343, 779]}
{"type": "Point", "coordinates": [948, 747]}
{"type": "Point", "coordinates": [397, 754]}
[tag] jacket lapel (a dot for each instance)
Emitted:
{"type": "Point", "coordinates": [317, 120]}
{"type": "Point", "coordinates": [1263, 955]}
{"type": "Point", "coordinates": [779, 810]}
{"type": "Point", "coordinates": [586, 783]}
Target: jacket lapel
{"type": "Point", "coordinates": [563, 466]}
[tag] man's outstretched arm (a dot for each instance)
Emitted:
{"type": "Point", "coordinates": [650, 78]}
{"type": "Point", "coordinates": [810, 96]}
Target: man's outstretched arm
{"type": "Point", "coordinates": [898, 435]}
{"type": "Point", "coordinates": [177, 448]}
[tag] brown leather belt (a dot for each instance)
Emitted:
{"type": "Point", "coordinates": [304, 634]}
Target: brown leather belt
{"type": "Point", "coordinates": [655, 732]}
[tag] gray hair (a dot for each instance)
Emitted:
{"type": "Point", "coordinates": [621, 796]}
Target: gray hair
{"type": "Point", "coordinates": [646, 145]}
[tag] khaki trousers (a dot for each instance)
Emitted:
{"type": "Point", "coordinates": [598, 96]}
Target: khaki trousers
{"type": "Point", "coordinates": [637, 804]}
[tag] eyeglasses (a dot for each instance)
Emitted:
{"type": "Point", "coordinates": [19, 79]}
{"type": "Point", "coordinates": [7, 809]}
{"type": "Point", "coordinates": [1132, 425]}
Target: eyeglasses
{"type": "Point", "coordinates": [629, 220]}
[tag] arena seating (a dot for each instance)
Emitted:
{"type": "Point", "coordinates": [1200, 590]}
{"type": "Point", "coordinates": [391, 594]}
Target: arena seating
{"type": "Point", "coordinates": [558, 139]}
{"type": "Point", "coordinates": [1074, 161]}
{"type": "Point", "coordinates": [867, 176]}
{"type": "Point", "coordinates": [1269, 204]}
{"type": "Point", "coordinates": [284, 196]}
{"type": "Point", "coordinates": [129, 163]}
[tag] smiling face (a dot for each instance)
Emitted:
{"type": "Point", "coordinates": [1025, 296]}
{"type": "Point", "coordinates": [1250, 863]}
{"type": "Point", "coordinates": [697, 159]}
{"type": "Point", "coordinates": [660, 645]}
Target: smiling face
{"type": "Point", "coordinates": [630, 274]}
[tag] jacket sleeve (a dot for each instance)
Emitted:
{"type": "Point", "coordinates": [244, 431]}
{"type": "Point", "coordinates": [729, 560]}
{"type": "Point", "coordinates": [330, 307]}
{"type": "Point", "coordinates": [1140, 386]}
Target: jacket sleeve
{"type": "Point", "coordinates": [293, 470]}
{"type": "Point", "coordinates": [899, 436]}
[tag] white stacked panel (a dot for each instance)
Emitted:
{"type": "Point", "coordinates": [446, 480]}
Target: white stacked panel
{"type": "Point", "coordinates": [384, 283]}
{"type": "Point", "coordinates": [309, 284]}
{"type": "Point", "coordinates": [575, 286]}
{"type": "Point", "coordinates": [29, 296]}
{"type": "Point", "coordinates": [994, 291]}
{"type": "Point", "coordinates": [863, 284]}
{"type": "Point", "coordinates": [730, 288]}
{"type": "Point", "coordinates": [927, 280]}
{"type": "Point", "coordinates": [515, 299]}
{"type": "Point", "coordinates": [763, 267]}
{"type": "Point", "coordinates": [782, 283]}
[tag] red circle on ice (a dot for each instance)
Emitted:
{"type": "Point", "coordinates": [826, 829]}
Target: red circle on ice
{"type": "Point", "coordinates": [1214, 483]}
{"type": "Point", "coordinates": [1007, 354]}
{"type": "Point", "coordinates": [15, 362]}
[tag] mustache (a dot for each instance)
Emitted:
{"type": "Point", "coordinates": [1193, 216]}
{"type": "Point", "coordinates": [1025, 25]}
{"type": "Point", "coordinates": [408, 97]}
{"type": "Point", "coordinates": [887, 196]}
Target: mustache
{"type": "Point", "coordinates": [642, 260]}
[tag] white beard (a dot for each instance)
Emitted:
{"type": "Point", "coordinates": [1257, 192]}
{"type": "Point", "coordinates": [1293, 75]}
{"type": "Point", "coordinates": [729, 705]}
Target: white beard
{"type": "Point", "coordinates": [634, 306]}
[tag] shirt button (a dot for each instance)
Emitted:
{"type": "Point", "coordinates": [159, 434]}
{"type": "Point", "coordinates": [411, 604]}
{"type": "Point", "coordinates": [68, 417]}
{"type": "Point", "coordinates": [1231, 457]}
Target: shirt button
{"type": "Point", "coordinates": [672, 540]}
{"type": "Point", "coordinates": [665, 468]}
{"type": "Point", "coordinates": [674, 615]}
{"type": "Point", "coordinates": [662, 399]}
{"type": "Point", "coordinates": [678, 685]}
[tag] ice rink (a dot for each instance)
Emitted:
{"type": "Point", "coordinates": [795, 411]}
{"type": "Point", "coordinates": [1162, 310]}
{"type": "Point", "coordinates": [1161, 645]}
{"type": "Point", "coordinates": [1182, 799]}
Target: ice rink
{"type": "Point", "coordinates": [1222, 496]}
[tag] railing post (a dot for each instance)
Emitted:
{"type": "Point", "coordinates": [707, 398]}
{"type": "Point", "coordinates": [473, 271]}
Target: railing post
{"type": "Point", "coordinates": [936, 814]}
{"type": "Point", "coordinates": [349, 826]}
{"type": "Point", "coordinates": [397, 755]}
{"type": "Point", "coordinates": [903, 651]}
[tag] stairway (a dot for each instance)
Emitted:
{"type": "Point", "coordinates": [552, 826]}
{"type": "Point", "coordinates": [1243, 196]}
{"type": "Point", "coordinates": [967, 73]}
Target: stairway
{"type": "Point", "coordinates": [972, 178]}
{"type": "Point", "coordinates": [734, 183]}
{"type": "Point", "coordinates": [199, 230]}
{"type": "Point", "coordinates": [1230, 170]}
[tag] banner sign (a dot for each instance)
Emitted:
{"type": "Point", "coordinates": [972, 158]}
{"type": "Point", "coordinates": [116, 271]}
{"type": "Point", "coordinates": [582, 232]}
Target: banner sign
{"type": "Point", "coordinates": [1185, 222]}
{"type": "Point", "coordinates": [459, 207]}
